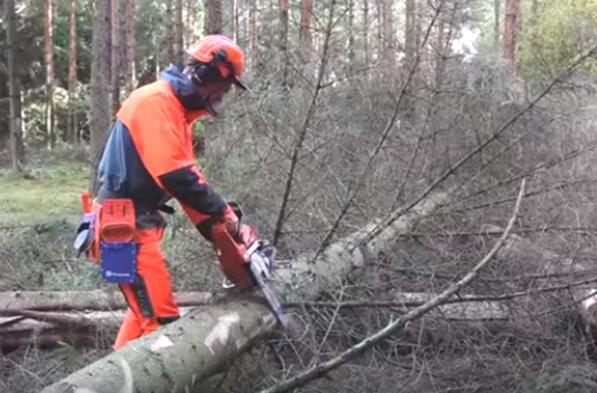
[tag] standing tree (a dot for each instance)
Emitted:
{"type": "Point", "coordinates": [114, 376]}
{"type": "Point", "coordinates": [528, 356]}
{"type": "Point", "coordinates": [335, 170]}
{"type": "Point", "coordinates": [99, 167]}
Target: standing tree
{"type": "Point", "coordinates": [389, 38]}
{"type": "Point", "coordinates": [410, 43]}
{"type": "Point", "coordinates": [213, 17]}
{"type": "Point", "coordinates": [49, 65]}
{"type": "Point", "coordinates": [129, 67]}
{"type": "Point", "coordinates": [178, 33]}
{"type": "Point", "coordinates": [305, 33]}
{"type": "Point", "coordinates": [100, 85]}
{"type": "Point", "coordinates": [496, 25]}
{"type": "Point", "coordinates": [115, 54]}
{"type": "Point", "coordinates": [71, 124]}
{"type": "Point", "coordinates": [253, 35]}
{"type": "Point", "coordinates": [283, 40]}
{"type": "Point", "coordinates": [366, 31]}
{"type": "Point", "coordinates": [169, 30]}
{"type": "Point", "coordinates": [17, 152]}
{"type": "Point", "coordinates": [190, 23]}
{"type": "Point", "coordinates": [511, 24]}
{"type": "Point", "coordinates": [351, 35]}
{"type": "Point", "coordinates": [410, 47]}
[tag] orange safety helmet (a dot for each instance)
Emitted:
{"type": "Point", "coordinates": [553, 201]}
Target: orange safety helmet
{"type": "Point", "coordinates": [222, 52]}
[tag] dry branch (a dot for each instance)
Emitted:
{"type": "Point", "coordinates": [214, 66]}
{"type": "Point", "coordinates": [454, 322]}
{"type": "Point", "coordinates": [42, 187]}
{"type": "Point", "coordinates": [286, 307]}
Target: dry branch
{"type": "Point", "coordinates": [180, 355]}
{"type": "Point", "coordinates": [399, 324]}
{"type": "Point", "coordinates": [544, 262]}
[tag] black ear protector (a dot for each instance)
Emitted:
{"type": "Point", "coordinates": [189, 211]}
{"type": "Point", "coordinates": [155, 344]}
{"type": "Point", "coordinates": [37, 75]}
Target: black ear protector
{"type": "Point", "coordinates": [204, 72]}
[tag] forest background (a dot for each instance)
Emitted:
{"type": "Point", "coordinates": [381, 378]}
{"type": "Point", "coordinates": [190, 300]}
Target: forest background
{"type": "Point", "coordinates": [358, 108]}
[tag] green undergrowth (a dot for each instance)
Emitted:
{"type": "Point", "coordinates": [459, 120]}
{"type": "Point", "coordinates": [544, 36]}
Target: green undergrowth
{"type": "Point", "coordinates": [41, 209]}
{"type": "Point", "coordinates": [47, 191]}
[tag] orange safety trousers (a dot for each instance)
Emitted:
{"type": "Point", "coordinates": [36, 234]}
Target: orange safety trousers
{"type": "Point", "coordinates": [150, 298]}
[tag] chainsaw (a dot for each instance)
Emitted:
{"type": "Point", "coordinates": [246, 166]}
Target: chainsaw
{"type": "Point", "coordinates": [247, 261]}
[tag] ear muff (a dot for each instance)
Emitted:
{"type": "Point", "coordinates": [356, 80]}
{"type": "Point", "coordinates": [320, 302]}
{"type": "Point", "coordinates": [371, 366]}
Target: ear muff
{"type": "Point", "coordinates": [204, 72]}
{"type": "Point", "coordinates": [220, 57]}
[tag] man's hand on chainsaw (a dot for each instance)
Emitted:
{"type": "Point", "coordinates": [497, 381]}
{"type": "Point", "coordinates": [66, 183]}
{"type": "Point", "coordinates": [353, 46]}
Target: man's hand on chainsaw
{"type": "Point", "coordinates": [230, 221]}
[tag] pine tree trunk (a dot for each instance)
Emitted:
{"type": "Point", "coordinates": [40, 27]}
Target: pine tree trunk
{"type": "Point", "coordinates": [351, 39]}
{"type": "Point", "coordinates": [17, 151]}
{"type": "Point", "coordinates": [213, 17]}
{"type": "Point", "coordinates": [100, 85]}
{"type": "Point", "coordinates": [380, 22]}
{"type": "Point", "coordinates": [511, 24]}
{"type": "Point", "coordinates": [49, 65]}
{"type": "Point", "coordinates": [366, 32]}
{"type": "Point", "coordinates": [170, 31]}
{"type": "Point", "coordinates": [496, 25]}
{"type": "Point", "coordinates": [306, 37]}
{"type": "Point", "coordinates": [233, 19]}
{"type": "Point", "coordinates": [253, 53]}
{"type": "Point", "coordinates": [178, 34]}
{"type": "Point", "coordinates": [72, 75]}
{"type": "Point", "coordinates": [129, 78]}
{"type": "Point", "coordinates": [389, 38]}
{"type": "Point", "coordinates": [115, 55]}
{"type": "Point", "coordinates": [283, 41]}
{"type": "Point", "coordinates": [190, 24]}
{"type": "Point", "coordinates": [389, 42]}
{"type": "Point", "coordinates": [409, 33]}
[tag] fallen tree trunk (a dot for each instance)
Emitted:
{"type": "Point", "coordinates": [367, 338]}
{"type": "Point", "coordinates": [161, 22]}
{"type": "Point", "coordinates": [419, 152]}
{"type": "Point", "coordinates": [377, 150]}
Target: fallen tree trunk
{"type": "Point", "coordinates": [180, 355]}
{"type": "Point", "coordinates": [46, 328]}
{"type": "Point", "coordinates": [34, 327]}
{"type": "Point", "coordinates": [12, 303]}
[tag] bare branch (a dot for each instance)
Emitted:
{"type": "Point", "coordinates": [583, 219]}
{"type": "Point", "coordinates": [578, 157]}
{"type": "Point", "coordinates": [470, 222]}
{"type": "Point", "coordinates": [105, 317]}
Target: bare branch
{"type": "Point", "coordinates": [305, 127]}
{"type": "Point", "coordinates": [400, 323]}
{"type": "Point", "coordinates": [394, 216]}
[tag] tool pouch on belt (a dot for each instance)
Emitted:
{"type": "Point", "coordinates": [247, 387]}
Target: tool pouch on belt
{"type": "Point", "coordinates": [117, 245]}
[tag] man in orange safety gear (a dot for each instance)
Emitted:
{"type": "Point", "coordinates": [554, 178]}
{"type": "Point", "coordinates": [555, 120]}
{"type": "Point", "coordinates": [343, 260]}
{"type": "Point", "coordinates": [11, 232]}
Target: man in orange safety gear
{"type": "Point", "coordinates": [149, 159]}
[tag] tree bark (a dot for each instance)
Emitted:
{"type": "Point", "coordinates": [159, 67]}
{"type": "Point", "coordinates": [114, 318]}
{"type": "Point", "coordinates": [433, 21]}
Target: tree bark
{"type": "Point", "coordinates": [283, 41]}
{"type": "Point", "coordinates": [190, 23]}
{"type": "Point", "coordinates": [29, 327]}
{"type": "Point", "coordinates": [115, 69]}
{"type": "Point", "coordinates": [13, 303]}
{"type": "Point", "coordinates": [253, 48]}
{"type": "Point", "coordinates": [72, 75]}
{"type": "Point", "coordinates": [234, 18]}
{"type": "Point", "coordinates": [169, 31]}
{"type": "Point", "coordinates": [409, 33]}
{"type": "Point", "coordinates": [17, 150]}
{"type": "Point", "coordinates": [49, 65]}
{"type": "Point", "coordinates": [389, 38]}
{"type": "Point", "coordinates": [178, 34]}
{"type": "Point", "coordinates": [130, 80]}
{"type": "Point", "coordinates": [213, 17]}
{"type": "Point", "coordinates": [196, 346]}
{"type": "Point", "coordinates": [496, 25]}
{"type": "Point", "coordinates": [511, 23]}
{"type": "Point", "coordinates": [351, 35]}
{"type": "Point", "coordinates": [366, 31]}
{"type": "Point", "coordinates": [100, 86]}
{"type": "Point", "coordinates": [306, 37]}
